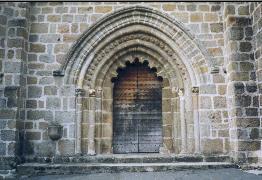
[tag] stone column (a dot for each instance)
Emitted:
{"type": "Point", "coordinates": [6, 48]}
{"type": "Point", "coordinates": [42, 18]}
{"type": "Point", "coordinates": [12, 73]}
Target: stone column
{"type": "Point", "coordinates": [195, 96]}
{"type": "Point", "coordinates": [79, 96]}
{"type": "Point", "coordinates": [91, 121]}
{"type": "Point", "coordinates": [183, 121]}
{"type": "Point", "coordinates": [98, 118]}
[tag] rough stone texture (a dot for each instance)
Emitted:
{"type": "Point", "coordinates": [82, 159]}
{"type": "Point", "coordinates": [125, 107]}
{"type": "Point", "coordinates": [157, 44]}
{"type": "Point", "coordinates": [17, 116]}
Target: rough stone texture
{"type": "Point", "coordinates": [36, 38]}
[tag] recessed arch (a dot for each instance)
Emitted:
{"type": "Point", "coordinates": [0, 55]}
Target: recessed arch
{"type": "Point", "coordinates": [187, 45]}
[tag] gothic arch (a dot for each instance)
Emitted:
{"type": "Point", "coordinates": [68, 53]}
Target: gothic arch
{"type": "Point", "coordinates": [94, 58]}
{"type": "Point", "coordinates": [189, 50]}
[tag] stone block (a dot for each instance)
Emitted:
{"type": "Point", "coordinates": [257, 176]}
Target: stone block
{"type": "Point", "coordinates": [12, 67]}
{"type": "Point", "coordinates": [63, 28]}
{"type": "Point", "coordinates": [50, 38]}
{"type": "Point", "coordinates": [31, 104]}
{"type": "Point", "coordinates": [54, 18]}
{"type": "Point", "coordinates": [211, 17]}
{"type": "Point", "coordinates": [3, 20]}
{"type": "Point", "coordinates": [85, 10]}
{"type": "Point", "coordinates": [216, 27]}
{"type": "Point", "coordinates": [7, 114]}
{"type": "Point", "coordinates": [39, 28]}
{"type": "Point", "coordinates": [229, 10]}
{"type": "Point", "coordinates": [220, 102]}
{"type": "Point", "coordinates": [212, 146]}
{"type": "Point", "coordinates": [243, 10]}
{"type": "Point", "coordinates": [45, 148]}
{"type": "Point", "coordinates": [37, 48]}
{"type": "Point", "coordinates": [205, 102]}
{"type": "Point", "coordinates": [251, 111]}
{"type": "Point", "coordinates": [61, 10]}
{"type": "Point", "coordinates": [215, 8]}
{"type": "Point", "coordinates": [66, 147]}
{"type": "Point", "coordinates": [208, 89]}
{"type": "Point", "coordinates": [67, 18]}
{"type": "Point", "coordinates": [242, 100]}
{"type": "Point", "coordinates": [53, 103]}
{"type": "Point", "coordinates": [61, 48]}
{"type": "Point", "coordinates": [196, 17]}
{"type": "Point", "coordinates": [245, 46]}
{"type": "Point", "coordinates": [8, 135]}
{"type": "Point", "coordinates": [17, 23]}
{"type": "Point", "coordinates": [249, 145]}
{"type": "Point", "coordinates": [103, 9]}
{"type": "Point", "coordinates": [15, 43]}
{"type": "Point", "coordinates": [64, 116]}
{"type": "Point", "coordinates": [181, 16]}
{"type": "Point", "coordinates": [169, 7]}
{"type": "Point", "coordinates": [236, 33]}
{"type": "Point", "coordinates": [191, 7]}
{"type": "Point", "coordinates": [34, 91]}
{"type": "Point", "coordinates": [39, 114]}
{"type": "Point", "coordinates": [47, 10]}
{"type": "Point", "coordinates": [50, 90]}
{"type": "Point", "coordinates": [46, 80]}
{"type": "Point", "coordinates": [246, 66]}
{"type": "Point", "coordinates": [239, 76]}
{"type": "Point", "coordinates": [33, 136]}
{"type": "Point", "coordinates": [2, 149]}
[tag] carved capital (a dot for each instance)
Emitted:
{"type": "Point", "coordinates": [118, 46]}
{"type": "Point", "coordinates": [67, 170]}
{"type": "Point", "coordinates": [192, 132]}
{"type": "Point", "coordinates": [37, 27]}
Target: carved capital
{"type": "Point", "coordinates": [92, 92]}
{"type": "Point", "coordinates": [79, 92]}
{"type": "Point", "coordinates": [195, 90]}
{"type": "Point", "coordinates": [181, 91]}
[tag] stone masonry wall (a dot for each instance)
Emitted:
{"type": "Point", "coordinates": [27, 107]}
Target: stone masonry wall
{"type": "Point", "coordinates": [255, 12]}
{"type": "Point", "coordinates": [33, 45]}
{"type": "Point", "coordinates": [55, 26]}
{"type": "Point", "coordinates": [242, 87]}
{"type": "Point", "coordinates": [13, 57]}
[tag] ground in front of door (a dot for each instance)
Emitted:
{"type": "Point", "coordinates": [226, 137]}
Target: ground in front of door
{"type": "Point", "coordinates": [211, 174]}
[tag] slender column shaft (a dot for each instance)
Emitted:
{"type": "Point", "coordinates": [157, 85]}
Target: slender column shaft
{"type": "Point", "coordinates": [78, 135]}
{"type": "Point", "coordinates": [91, 121]}
{"type": "Point", "coordinates": [195, 97]}
{"type": "Point", "coordinates": [183, 122]}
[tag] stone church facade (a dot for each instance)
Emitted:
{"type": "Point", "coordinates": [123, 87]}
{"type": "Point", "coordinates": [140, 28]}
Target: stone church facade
{"type": "Point", "coordinates": [60, 63]}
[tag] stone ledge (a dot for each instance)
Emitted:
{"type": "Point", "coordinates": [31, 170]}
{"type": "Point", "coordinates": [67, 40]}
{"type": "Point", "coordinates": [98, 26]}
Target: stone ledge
{"type": "Point", "coordinates": [34, 169]}
{"type": "Point", "coordinates": [131, 158]}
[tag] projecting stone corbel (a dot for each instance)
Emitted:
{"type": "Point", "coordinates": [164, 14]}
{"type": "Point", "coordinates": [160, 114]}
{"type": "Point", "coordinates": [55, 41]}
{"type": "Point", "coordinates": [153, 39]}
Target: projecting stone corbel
{"type": "Point", "coordinates": [58, 73]}
{"type": "Point", "coordinates": [214, 70]}
{"type": "Point", "coordinates": [195, 90]}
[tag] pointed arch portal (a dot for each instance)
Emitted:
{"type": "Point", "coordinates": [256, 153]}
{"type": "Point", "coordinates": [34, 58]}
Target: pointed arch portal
{"type": "Point", "coordinates": [171, 52]}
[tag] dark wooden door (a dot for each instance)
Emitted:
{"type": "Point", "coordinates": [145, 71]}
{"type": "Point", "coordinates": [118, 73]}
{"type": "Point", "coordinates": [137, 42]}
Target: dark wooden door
{"type": "Point", "coordinates": [137, 110]}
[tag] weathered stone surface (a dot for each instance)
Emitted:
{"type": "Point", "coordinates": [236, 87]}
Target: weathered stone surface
{"type": "Point", "coordinates": [39, 114]}
{"type": "Point", "coordinates": [8, 135]}
{"type": "Point", "coordinates": [212, 146]}
{"type": "Point", "coordinates": [64, 116]}
{"type": "Point", "coordinates": [50, 90]}
{"type": "Point", "coordinates": [66, 147]}
{"type": "Point", "coordinates": [33, 135]}
{"type": "Point", "coordinates": [39, 28]}
{"type": "Point", "coordinates": [34, 91]}
{"type": "Point", "coordinates": [103, 9]}
{"type": "Point", "coordinates": [53, 103]}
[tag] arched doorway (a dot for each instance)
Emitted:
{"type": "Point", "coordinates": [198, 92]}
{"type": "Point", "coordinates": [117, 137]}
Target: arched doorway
{"type": "Point", "coordinates": [137, 109]}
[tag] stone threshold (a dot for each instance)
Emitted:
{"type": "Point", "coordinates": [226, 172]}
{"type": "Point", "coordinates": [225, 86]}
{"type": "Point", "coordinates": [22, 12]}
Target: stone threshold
{"type": "Point", "coordinates": [127, 158]}
{"type": "Point", "coordinates": [36, 169]}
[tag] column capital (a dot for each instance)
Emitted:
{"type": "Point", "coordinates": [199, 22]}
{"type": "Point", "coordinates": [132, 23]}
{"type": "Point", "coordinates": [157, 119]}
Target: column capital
{"type": "Point", "coordinates": [79, 92]}
{"type": "Point", "coordinates": [195, 90]}
{"type": "Point", "coordinates": [181, 91]}
{"type": "Point", "coordinates": [92, 92]}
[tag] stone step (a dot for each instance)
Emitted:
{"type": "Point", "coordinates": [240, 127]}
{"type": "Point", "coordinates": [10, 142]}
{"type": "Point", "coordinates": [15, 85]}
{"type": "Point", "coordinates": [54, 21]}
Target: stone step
{"type": "Point", "coordinates": [35, 169]}
{"type": "Point", "coordinates": [130, 158]}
